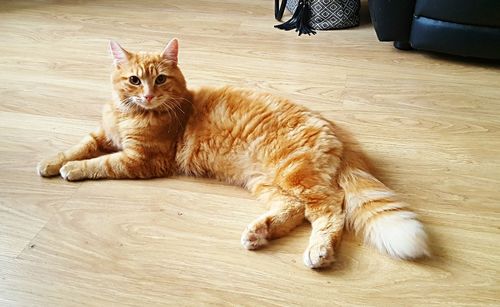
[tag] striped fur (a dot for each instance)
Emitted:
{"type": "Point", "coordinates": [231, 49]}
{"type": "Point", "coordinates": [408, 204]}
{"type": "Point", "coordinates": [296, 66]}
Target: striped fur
{"type": "Point", "coordinates": [386, 223]}
{"type": "Point", "coordinates": [292, 159]}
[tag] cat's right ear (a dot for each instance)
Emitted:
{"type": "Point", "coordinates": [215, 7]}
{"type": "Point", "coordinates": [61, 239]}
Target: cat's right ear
{"type": "Point", "coordinates": [119, 54]}
{"type": "Point", "coordinates": [171, 52]}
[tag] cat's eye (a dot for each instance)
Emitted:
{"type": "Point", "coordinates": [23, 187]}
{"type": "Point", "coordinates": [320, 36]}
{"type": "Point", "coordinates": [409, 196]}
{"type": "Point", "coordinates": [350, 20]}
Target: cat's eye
{"type": "Point", "coordinates": [160, 79]}
{"type": "Point", "coordinates": [134, 80]}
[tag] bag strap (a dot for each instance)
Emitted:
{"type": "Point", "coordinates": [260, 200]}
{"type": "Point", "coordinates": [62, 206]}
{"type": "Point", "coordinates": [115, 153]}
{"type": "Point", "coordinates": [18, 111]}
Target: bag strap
{"type": "Point", "coordinates": [279, 10]}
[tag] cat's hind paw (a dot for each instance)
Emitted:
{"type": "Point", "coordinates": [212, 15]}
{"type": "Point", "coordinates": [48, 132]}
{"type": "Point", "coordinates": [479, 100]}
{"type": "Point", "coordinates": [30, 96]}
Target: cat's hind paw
{"type": "Point", "coordinates": [254, 236]}
{"type": "Point", "coordinates": [319, 256]}
{"type": "Point", "coordinates": [73, 171]}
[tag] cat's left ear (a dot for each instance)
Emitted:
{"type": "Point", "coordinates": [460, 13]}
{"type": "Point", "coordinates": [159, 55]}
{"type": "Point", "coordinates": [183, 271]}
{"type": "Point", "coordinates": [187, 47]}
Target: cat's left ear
{"type": "Point", "coordinates": [119, 54]}
{"type": "Point", "coordinates": [171, 52]}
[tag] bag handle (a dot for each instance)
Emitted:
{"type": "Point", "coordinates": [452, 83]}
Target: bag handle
{"type": "Point", "coordinates": [279, 10]}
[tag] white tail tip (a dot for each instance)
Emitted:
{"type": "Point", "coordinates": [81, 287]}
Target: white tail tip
{"type": "Point", "coordinates": [398, 234]}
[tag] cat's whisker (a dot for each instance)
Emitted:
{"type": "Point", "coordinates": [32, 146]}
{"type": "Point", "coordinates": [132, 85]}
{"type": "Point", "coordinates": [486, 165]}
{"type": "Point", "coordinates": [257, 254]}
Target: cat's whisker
{"type": "Point", "coordinates": [175, 114]}
{"type": "Point", "coordinates": [182, 99]}
{"type": "Point", "coordinates": [175, 105]}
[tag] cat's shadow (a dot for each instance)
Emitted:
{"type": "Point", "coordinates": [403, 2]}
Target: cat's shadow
{"type": "Point", "coordinates": [351, 254]}
{"type": "Point", "coordinates": [294, 244]}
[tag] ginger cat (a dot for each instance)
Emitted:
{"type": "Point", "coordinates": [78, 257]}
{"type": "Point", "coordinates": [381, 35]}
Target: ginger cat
{"type": "Point", "coordinates": [292, 159]}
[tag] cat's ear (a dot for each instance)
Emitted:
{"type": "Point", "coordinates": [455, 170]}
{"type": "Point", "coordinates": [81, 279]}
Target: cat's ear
{"type": "Point", "coordinates": [119, 54]}
{"type": "Point", "coordinates": [171, 52]}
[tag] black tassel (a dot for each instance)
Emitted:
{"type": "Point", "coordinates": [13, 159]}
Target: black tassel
{"type": "Point", "coordinates": [299, 20]}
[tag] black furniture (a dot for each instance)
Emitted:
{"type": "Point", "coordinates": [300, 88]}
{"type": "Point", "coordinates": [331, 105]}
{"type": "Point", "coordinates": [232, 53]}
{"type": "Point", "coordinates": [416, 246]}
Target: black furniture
{"type": "Point", "coordinates": [460, 27]}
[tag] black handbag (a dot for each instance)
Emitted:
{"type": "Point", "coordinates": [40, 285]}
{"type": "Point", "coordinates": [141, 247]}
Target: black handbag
{"type": "Point", "coordinates": [311, 15]}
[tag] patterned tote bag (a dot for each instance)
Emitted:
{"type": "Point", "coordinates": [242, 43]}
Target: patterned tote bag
{"type": "Point", "coordinates": [310, 15]}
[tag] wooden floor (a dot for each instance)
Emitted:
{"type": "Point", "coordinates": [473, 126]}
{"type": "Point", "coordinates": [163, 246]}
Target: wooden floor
{"type": "Point", "coordinates": [430, 123]}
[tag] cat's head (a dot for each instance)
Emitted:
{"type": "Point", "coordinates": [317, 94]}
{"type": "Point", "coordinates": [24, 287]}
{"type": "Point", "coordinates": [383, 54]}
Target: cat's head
{"type": "Point", "coordinates": [147, 81]}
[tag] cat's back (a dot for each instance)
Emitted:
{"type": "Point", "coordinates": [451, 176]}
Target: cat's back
{"type": "Point", "coordinates": [230, 125]}
{"type": "Point", "coordinates": [241, 106]}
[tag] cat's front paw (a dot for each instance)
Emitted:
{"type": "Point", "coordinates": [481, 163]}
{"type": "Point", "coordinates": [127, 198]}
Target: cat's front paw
{"type": "Point", "coordinates": [254, 236]}
{"type": "Point", "coordinates": [318, 256]}
{"type": "Point", "coordinates": [73, 171]}
{"type": "Point", "coordinates": [50, 167]}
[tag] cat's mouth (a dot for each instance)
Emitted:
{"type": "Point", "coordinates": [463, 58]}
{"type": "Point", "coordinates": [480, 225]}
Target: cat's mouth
{"type": "Point", "coordinates": [148, 105]}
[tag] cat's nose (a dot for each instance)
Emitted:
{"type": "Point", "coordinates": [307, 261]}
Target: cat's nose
{"type": "Point", "coordinates": [149, 97]}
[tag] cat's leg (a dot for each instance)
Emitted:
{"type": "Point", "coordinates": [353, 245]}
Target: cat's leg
{"type": "Point", "coordinates": [327, 221]}
{"type": "Point", "coordinates": [91, 146]}
{"type": "Point", "coordinates": [284, 214]}
{"type": "Point", "coordinates": [119, 165]}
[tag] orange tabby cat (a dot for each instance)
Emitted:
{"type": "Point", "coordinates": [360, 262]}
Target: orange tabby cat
{"type": "Point", "coordinates": [292, 159]}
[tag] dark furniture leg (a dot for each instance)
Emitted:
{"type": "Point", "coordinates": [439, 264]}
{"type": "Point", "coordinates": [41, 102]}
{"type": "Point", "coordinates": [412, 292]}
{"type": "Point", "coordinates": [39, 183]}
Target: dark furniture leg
{"type": "Point", "coordinates": [402, 45]}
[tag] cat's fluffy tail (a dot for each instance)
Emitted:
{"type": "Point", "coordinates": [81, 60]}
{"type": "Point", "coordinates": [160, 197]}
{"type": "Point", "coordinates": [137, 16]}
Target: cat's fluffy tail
{"type": "Point", "coordinates": [373, 210]}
